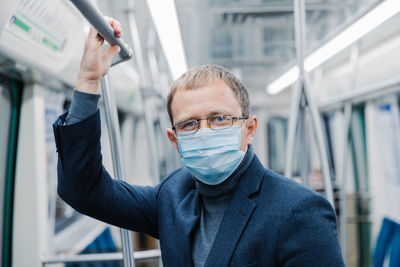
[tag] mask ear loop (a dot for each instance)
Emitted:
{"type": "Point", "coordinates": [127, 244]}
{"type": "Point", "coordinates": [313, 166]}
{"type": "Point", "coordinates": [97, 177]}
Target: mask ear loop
{"type": "Point", "coordinates": [247, 146]}
{"type": "Point", "coordinates": [243, 124]}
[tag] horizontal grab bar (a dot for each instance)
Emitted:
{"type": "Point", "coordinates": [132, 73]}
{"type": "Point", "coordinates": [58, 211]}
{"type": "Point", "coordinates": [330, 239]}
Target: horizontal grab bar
{"type": "Point", "coordinates": [94, 16]}
{"type": "Point", "coordinates": [117, 256]}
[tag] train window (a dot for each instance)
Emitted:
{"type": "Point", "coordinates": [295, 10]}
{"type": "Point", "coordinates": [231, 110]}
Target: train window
{"type": "Point", "coordinates": [283, 49]}
{"type": "Point", "coordinates": [358, 149]}
{"type": "Point", "coordinates": [361, 203]}
{"type": "Point", "coordinates": [357, 199]}
{"type": "Point", "coordinates": [70, 231]}
{"type": "Point", "coordinates": [277, 128]}
{"type": "Point", "coordinates": [222, 43]}
{"type": "Point", "coordinates": [161, 153]}
{"type": "Point", "coordinates": [60, 215]}
{"type": "Point", "coordinates": [328, 121]}
{"type": "Point", "coordinates": [5, 118]}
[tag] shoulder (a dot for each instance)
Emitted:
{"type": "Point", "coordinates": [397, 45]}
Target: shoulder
{"type": "Point", "coordinates": [290, 196]}
{"type": "Point", "coordinates": [307, 224]}
{"type": "Point", "coordinates": [178, 183]}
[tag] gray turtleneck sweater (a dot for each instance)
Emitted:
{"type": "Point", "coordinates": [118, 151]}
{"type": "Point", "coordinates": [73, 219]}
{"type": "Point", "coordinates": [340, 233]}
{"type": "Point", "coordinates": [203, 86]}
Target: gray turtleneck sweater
{"type": "Point", "coordinates": [215, 198]}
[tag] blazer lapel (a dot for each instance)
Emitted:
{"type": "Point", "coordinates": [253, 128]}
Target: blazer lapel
{"type": "Point", "coordinates": [236, 216]}
{"type": "Point", "coordinates": [186, 218]}
{"type": "Point", "coordinates": [230, 230]}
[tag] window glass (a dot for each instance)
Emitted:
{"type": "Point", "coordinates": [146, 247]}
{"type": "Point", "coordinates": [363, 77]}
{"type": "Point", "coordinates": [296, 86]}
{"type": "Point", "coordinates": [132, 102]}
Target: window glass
{"type": "Point", "coordinates": [275, 47]}
{"type": "Point", "coordinates": [277, 129]}
{"type": "Point", "coordinates": [69, 231]}
{"type": "Point", "coordinates": [356, 177]}
{"type": "Point", "coordinates": [358, 149]}
{"type": "Point", "coordinates": [59, 215]}
{"type": "Point", "coordinates": [5, 117]}
{"type": "Point", "coordinates": [221, 43]}
{"type": "Point", "coordinates": [277, 134]}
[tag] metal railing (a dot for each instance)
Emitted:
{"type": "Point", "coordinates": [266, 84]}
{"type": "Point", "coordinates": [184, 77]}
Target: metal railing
{"type": "Point", "coordinates": [94, 16]}
{"type": "Point", "coordinates": [117, 256]}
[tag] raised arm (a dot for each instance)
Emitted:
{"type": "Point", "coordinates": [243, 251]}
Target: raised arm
{"type": "Point", "coordinates": [83, 181]}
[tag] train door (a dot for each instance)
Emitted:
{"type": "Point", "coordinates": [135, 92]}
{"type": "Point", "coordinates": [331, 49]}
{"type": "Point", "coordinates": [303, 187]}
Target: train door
{"type": "Point", "coordinates": [10, 91]}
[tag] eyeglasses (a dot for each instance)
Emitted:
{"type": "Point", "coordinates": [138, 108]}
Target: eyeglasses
{"type": "Point", "coordinates": [218, 122]}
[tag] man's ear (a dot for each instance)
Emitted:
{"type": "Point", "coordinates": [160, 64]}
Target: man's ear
{"type": "Point", "coordinates": [172, 138]}
{"type": "Point", "coordinates": [251, 125]}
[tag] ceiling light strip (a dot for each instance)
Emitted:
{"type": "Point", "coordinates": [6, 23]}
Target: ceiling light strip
{"type": "Point", "coordinates": [354, 32]}
{"type": "Point", "coordinates": [166, 23]}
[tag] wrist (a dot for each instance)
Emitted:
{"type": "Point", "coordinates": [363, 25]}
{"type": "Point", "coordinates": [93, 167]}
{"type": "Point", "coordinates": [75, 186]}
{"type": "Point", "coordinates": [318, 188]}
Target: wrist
{"type": "Point", "coordinates": [87, 85]}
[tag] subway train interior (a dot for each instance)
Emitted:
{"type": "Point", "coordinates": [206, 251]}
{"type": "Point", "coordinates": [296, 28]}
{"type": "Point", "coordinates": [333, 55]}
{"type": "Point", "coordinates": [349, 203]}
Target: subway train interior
{"type": "Point", "coordinates": [323, 78]}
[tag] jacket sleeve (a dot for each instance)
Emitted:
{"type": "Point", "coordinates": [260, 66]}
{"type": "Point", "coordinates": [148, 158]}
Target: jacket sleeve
{"type": "Point", "coordinates": [83, 105]}
{"type": "Point", "coordinates": [86, 186]}
{"type": "Point", "coordinates": [308, 234]}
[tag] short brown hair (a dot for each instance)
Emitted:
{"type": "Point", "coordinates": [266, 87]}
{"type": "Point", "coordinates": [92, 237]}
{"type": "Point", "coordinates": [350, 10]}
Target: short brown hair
{"type": "Point", "coordinates": [203, 75]}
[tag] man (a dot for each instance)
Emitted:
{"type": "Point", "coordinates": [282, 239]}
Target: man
{"type": "Point", "coordinates": [223, 208]}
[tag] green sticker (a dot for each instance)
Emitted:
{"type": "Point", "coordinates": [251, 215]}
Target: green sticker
{"type": "Point", "coordinates": [49, 43]}
{"type": "Point", "coordinates": [20, 24]}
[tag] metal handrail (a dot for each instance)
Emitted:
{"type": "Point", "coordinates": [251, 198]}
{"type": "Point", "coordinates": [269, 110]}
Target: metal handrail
{"type": "Point", "coordinates": [111, 114]}
{"type": "Point", "coordinates": [98, 21]}
{"type": "Point", "coordinates": [117, 256]}
{"type": "Point", "coordinates": [302, 88]}
{"type": "Point", "coordinates": [360, 95]}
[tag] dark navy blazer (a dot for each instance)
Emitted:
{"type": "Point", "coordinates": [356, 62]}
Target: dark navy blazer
{"type": "Point", "coordinates": [270, 221]}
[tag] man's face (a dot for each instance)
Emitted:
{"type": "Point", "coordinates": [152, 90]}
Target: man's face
{"type": "Point", "coordinates": [215, 98]}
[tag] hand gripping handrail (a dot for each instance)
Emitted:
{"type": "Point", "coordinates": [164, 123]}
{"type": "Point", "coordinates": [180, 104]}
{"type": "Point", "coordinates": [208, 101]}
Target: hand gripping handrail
{"type": "Point", "coordinates": [94, 16]}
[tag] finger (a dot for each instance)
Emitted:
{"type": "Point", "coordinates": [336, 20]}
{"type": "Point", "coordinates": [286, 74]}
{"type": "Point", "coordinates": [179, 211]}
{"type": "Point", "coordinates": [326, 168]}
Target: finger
{"type": "Point", "coordinates": [112, 51]}
{"type": "Point", "coordinates": [116, 26]}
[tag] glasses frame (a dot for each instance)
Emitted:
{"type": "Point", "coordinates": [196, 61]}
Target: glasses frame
{"type": "Point", "coordinates": [208, 123]}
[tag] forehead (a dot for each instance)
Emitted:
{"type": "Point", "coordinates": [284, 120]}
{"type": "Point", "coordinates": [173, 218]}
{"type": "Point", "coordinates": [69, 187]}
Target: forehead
{"type": "Point", "coordinates": [214, 98]}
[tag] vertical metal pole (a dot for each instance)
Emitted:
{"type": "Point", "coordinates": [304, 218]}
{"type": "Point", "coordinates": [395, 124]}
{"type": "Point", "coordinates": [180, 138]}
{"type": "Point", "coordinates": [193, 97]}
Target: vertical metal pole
{"type": "Point", "coordinates": [322, 148]}
{"type": "Point", "coordinates": [111, 114]}
{"type": "Point", "coordinates": [300, 26]}
{"type": "Point", "coordinates": [304, 142]}
{"type": "Point", "coordinates": [299, 29]}
{"type": "Point", "coordinates": [342, 178]}
{"type": "Point", "coordinates": [294, 112]}
{"type": "Point", "coordinates": [355, 52]}
{"type": "Point", "coordinates": [297, 92]}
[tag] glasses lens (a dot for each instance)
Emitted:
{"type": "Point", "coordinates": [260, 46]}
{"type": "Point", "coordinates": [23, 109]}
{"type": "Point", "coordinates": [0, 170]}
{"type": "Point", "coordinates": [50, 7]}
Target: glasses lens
{"type": "Point", "coordinates": [220, 122]}
{"type": "Point", "coordinates": [189, 126]}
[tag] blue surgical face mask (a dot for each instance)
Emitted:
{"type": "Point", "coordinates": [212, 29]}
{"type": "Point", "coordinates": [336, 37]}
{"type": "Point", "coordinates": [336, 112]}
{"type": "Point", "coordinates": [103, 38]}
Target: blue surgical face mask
{"type": "Point", "coordinates": [211, 155]}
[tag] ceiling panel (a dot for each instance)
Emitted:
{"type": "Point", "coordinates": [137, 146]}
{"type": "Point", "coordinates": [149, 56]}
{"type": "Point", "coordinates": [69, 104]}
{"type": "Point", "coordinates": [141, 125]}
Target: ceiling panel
{"type": "Point", "coordinates": [256, 37]}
